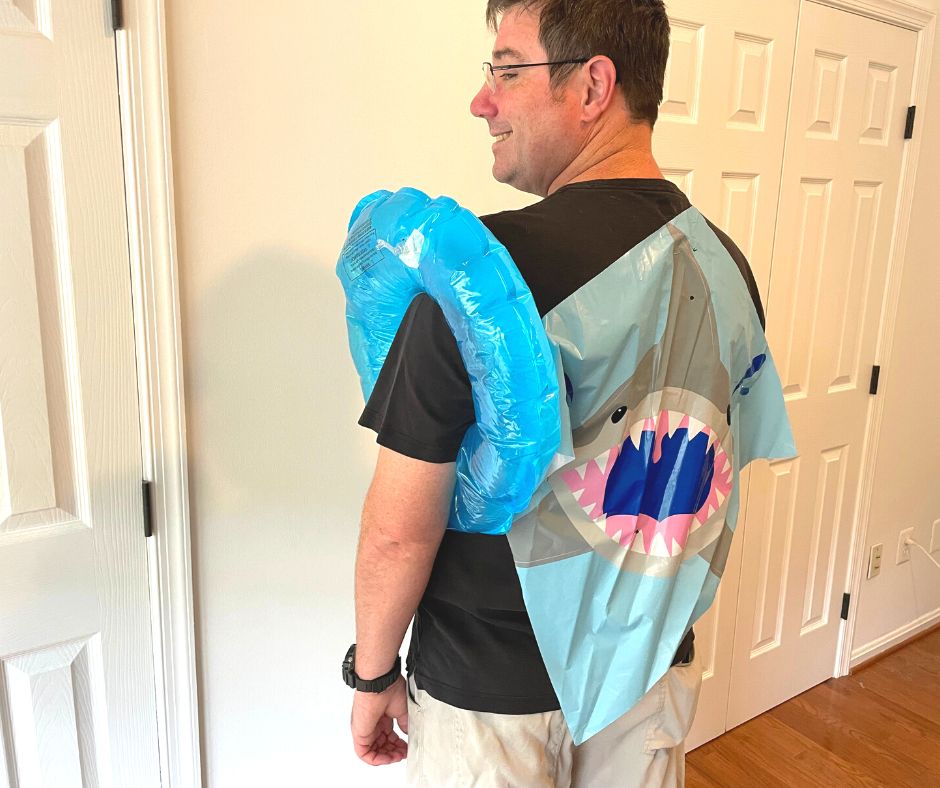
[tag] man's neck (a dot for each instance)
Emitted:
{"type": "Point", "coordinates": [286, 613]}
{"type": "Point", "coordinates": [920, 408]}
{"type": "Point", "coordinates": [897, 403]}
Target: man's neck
{"type": "Point", "coordinates": [625, 154]}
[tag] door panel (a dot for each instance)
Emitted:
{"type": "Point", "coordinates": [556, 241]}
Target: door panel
{"type": "Point", "coordinates": [720, 139]}
{"type": "Point", "coordinates": [77, 705]}
{"type": "Point", "coordinates": [852, 82]}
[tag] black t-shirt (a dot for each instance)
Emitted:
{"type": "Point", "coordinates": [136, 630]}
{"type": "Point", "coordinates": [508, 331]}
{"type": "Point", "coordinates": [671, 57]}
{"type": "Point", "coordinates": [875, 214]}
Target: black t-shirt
{"type": "Point", "coordinates": [472, 643]}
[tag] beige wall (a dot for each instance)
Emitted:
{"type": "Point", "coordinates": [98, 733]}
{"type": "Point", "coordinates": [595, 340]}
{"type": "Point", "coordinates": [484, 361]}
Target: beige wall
{"type": "Point", "coordinates": [283, 115]}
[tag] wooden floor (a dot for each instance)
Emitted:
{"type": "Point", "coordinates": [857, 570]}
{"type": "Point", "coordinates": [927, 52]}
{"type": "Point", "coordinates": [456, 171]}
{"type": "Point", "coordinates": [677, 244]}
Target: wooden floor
{"type": "Point", "coordinates": [878, 727]}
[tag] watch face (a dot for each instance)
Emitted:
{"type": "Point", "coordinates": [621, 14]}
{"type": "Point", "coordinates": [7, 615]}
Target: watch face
{"type": "Point", "coordinates": [349, 673]}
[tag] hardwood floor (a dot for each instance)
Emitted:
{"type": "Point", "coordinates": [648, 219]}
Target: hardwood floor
{"type": "Point", "coordinates": [878, 727]}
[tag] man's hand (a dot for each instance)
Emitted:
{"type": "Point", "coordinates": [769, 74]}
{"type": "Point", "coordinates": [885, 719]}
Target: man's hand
{"type": "Point", "coordinates": [375, 740]}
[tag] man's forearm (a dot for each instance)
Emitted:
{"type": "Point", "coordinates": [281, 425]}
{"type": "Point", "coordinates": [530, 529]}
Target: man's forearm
{"type": "Point", "coordinates": [390, 579]}
{"type": "Point", "coordinates": [403, 522]}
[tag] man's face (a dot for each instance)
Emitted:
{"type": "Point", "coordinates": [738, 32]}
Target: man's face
{"type": "Point", "coordinates": [538, 133]}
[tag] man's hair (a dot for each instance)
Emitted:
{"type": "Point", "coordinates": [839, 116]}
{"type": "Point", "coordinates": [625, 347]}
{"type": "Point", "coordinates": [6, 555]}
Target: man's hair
{"type": "Point", "coordinates": [634, 34]}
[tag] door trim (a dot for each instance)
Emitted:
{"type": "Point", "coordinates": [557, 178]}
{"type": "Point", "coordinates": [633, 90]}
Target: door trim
{"type": "Point", "coordinates": [142, 79]}
{"type": "Point", "coordinates": [922, 22]}
{"type": "Point", "coordinates": [894, 12]}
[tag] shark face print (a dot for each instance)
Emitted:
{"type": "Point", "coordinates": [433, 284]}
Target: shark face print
{"type": "Point", "coordinates": [653, 466]}
{"type": "Point", "coordinates": [664, 481]}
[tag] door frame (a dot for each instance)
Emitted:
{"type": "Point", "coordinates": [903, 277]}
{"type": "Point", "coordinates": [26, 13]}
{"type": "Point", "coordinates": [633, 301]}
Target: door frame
{"type": "Point", "coordinates": [922, 22]}
{"type": "Point", "coordinates": [140, 48]}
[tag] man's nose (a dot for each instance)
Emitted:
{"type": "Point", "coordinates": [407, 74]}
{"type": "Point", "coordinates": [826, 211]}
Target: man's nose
{"type": "Point", "coordinates": [482, 105]}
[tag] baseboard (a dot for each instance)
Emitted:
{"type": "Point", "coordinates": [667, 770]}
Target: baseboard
{"type": "Point", "coordinates": [880, 647]}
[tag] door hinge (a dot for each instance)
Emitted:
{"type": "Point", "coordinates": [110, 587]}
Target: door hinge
{"type": "Point", "coordinates": [117, 15]}
{"type": "Point", "coordinates": [148, 508]}
{"type": "Point", "coordinates": [845, 606]}
{"type": "Point", "coordinates": [909, 126]}
{"type": "Point", "coordinates": [875, 376]}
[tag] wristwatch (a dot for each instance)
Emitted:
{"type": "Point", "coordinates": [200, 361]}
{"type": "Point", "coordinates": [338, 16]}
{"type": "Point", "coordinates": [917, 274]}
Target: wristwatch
{"type": "Point", "coordinates": [380, 684]}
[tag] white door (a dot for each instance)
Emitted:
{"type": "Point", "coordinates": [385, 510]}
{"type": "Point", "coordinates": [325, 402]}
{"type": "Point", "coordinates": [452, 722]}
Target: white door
{"type": "Point", "coordinates": [851, 89]}
{"type": "Point", "coordinates": [720, 139]}
{"type": "Point", "coordinates": [77, 704]}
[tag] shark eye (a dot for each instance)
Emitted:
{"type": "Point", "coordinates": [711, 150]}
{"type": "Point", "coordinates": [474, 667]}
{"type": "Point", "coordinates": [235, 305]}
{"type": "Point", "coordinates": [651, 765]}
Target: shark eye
{"type": "Point", "coordinates": [618, 414]}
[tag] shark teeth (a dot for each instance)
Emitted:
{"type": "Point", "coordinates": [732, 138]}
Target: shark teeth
{"type": "Point", "coordinates": [674, 420]}
{"type": "Point", "coordinates": [636, 433]}
{"type": "Point", "coordinates": [668, 421]}
{"type": "Point", "coordinates": [602, 461]}
{"type": "Point", "coordinates": [658, 547]}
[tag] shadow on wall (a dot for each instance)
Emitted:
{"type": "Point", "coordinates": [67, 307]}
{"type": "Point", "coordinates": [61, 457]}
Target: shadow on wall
{"type": "Point", "coordinates": [278, 471]}
{"type": "Point", "coordinates": [275, 400]}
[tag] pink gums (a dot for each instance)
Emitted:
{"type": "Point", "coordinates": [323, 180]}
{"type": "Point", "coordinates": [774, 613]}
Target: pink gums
{"type": "Point", "coordinates": [589, 492]}
{"type": "Point", "coordinates": [593, 484]}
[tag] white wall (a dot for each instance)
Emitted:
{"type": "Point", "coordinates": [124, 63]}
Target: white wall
{"type": "Point", "coordinates": [283, 115]}
{"type": "Point", "coordinates": [907, 476]}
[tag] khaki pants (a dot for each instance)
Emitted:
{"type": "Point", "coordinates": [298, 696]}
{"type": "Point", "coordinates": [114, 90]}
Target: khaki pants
{"type": "Point", "coordinates": [643, 749]}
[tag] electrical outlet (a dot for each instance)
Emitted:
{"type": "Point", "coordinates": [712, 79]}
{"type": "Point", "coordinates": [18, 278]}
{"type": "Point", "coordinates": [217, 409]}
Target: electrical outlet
{"type": "Point", "coordinates": [904, 550]}
{"type": "Point", "coordinates": [874, 560]}
{"type": "Point", "coordinates": [935, 537]}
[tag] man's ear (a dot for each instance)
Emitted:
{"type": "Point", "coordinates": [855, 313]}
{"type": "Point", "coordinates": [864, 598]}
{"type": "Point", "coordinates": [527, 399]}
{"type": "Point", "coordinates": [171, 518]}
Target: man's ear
{"type": "Point", "coordinates": [601, 86]}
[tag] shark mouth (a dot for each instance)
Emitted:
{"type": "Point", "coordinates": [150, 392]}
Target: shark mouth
{"type": "Point", "coordinates": [668, 477]}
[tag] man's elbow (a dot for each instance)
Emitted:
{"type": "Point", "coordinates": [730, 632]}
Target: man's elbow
{"type": "Point", "coordinates": [401, 535]}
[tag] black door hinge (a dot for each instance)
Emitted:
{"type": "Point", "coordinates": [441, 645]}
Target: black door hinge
{"type": "Point", "coordinates": [875, 376]}
{"type": "Point", "coordinates": [148, 508]}
{"type": "Point", "coordinates": [909, 126]}
{"type": "Point", "coordinates": [117, 14]}
{"type": "Point", "coordinates": [845, 606]}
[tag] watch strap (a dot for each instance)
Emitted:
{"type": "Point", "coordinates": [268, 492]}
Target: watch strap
{"type": "Point", "coordinates": [379, 684]}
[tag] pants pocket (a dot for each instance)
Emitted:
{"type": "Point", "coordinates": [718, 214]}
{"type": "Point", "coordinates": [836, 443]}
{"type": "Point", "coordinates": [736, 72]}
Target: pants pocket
{"type": "Point", "coordinates": [412, 693]}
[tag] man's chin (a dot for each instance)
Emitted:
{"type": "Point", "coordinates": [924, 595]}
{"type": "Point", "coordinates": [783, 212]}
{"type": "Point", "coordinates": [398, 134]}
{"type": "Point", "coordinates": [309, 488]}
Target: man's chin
{"type": "Point", "coordinates": [510, 177]}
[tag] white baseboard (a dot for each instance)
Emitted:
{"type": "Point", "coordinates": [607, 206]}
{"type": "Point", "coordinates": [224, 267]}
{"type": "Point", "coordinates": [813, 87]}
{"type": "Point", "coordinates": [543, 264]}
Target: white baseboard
{"type": "Point", "coordinates": [898, 636]}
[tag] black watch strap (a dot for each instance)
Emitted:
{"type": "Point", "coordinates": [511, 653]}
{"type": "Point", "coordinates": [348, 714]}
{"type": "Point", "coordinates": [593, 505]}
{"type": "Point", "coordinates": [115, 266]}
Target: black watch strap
{"type": "Point", "coordinates": [379, 684]}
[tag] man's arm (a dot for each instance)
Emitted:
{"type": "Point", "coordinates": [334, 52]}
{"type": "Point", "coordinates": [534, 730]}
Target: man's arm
{"type": "Point", "coordinates": [403, 521]}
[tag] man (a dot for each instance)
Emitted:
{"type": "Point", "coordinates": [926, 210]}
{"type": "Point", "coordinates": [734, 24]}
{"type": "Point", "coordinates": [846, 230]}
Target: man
{"type": "Point", "coordinates": [571, 98]}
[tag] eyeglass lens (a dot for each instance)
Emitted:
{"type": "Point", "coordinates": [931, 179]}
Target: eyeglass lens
{"type": "Point", "coordinates": [489, 77]}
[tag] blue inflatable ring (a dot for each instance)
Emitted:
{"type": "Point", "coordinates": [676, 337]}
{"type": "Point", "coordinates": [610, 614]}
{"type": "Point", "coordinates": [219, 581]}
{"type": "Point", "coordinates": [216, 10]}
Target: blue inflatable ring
{"type": "Point", "coordinates": [404, 243]}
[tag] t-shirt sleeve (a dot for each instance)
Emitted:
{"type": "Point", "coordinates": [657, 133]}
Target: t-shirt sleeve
{"type": "Point", "coordinates": [421, 405]}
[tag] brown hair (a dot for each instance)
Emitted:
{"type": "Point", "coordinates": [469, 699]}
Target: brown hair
{"type": "Point", "coordinates": [634, 34]}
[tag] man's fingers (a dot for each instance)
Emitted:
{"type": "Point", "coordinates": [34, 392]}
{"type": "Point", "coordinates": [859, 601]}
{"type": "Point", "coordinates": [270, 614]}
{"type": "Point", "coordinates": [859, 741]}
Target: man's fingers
{"type": "Point", "coordinates": [379, 759]}
{"type": "Point", "coordinates": [389, 752]}
{"type": "Point", "coordinates": [382, 747]}
{"type": "Point", "coordinates": [374, 738]}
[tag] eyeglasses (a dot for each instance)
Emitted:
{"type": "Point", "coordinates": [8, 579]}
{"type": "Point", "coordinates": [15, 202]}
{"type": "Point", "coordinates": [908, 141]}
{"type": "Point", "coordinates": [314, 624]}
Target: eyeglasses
{"type": "Point", "coordinates": [490, 77]}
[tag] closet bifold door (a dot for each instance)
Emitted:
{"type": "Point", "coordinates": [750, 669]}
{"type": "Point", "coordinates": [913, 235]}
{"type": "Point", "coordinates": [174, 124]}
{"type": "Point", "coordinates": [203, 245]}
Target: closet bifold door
{"type": "Point", "coordinates": [838, 194]}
